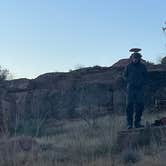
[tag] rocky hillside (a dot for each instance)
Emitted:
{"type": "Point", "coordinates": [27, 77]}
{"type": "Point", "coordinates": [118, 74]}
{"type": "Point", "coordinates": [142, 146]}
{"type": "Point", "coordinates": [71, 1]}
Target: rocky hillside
{"type": "Point", "coordinates": [68, 95]}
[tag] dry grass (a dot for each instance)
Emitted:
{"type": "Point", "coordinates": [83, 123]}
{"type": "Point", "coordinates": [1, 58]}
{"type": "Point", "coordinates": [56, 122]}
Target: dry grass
{"type": "Point", "coordinates": [76, 144]}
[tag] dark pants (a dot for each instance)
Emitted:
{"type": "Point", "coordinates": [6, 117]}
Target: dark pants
{"type": "Point", "coordinates": [135, 104]}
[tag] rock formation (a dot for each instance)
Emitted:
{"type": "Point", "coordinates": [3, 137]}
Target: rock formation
{"type": "Point", "coordinates": [62, 95]}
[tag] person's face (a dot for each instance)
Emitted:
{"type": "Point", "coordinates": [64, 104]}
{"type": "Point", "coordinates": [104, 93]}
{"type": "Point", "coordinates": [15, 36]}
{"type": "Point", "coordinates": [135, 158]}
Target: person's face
{"type": "Point", "coordinates": [135, 60]}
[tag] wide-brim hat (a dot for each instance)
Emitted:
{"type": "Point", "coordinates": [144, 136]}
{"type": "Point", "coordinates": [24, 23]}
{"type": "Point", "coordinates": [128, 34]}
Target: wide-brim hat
{"type": "Point", "coordinates": [135, 49]}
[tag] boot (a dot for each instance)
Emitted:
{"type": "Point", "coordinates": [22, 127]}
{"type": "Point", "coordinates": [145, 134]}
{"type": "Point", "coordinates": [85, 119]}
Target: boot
{"type": "Point", "coordinates": [139, 125]}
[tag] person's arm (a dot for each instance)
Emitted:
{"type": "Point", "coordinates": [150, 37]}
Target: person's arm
{"type": "Point", "coordinates": [145, 74]}
{"type": "Point", "coordinates": [125, 74]}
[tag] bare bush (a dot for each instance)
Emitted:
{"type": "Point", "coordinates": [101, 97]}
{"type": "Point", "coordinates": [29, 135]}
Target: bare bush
{"type": "Point", "coordinates": [130, 156]}
{"type": "Point", "coordinates": [163, 60]}
{"type": "Point", "coordinates": [4, 74]}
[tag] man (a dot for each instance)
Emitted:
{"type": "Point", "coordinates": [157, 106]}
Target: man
{"type": "Point", "coordinates": [136, 77]}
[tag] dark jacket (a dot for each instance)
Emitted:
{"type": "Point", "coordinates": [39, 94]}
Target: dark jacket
{"type": "Point", "coordinates": [136, 75]}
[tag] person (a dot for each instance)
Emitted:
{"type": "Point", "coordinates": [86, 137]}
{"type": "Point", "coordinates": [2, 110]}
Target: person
{"type": "Point", "coordinates": [136, 77]}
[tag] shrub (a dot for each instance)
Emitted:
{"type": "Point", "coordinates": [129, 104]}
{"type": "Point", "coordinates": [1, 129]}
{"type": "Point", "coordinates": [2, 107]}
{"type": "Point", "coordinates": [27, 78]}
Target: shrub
{"type": "Point", "coordinates": [163, 60]}
{"type": "Point", "coordinates": [130, 156]}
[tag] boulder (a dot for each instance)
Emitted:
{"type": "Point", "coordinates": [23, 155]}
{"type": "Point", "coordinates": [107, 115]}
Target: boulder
{"type": "Point", "coordinates": [134, 138]}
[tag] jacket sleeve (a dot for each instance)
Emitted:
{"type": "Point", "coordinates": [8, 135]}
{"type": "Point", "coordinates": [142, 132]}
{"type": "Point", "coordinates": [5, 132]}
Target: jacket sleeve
{"type": "Point", "coordinates": [145, 74]}
{"type": "Point", "coordinates": [125, 74]}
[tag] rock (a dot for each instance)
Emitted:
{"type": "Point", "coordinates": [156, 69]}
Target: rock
{"type": "Point", "coordinates": [134, 138]}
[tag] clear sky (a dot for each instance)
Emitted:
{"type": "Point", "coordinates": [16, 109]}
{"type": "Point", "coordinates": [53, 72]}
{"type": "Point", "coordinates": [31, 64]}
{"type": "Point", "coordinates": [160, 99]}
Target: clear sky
{"type": "Point", "coordinates": [40, 36]}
